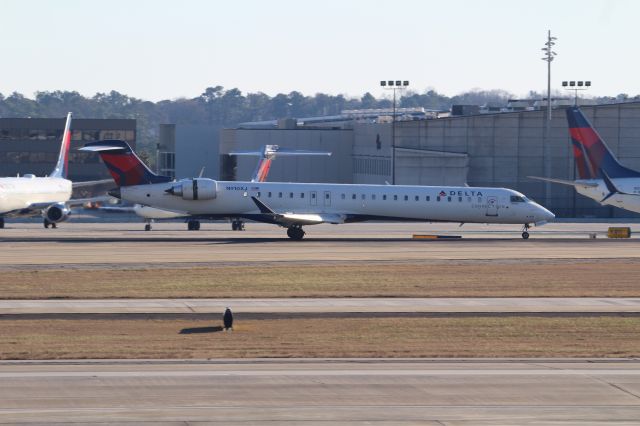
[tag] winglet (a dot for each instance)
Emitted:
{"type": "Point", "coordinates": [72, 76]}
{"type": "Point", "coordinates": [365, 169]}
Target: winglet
{"type": "Point", "coordinates": [613, 190]}
{"type": "Point", "coordinates": [262, 206]}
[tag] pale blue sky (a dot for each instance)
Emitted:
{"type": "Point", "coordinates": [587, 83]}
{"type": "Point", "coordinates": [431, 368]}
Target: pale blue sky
{"type": "Point", "coordinates": [165, 49]}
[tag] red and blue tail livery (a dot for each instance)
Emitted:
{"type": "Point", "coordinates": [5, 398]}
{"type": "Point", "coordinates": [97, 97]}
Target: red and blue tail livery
{"type": "Point", "coordinates": [125, 166]}
{"type": "Point", "coordinates": [62, 165]}
{"type": "Point", "coordinates": [592, 155]}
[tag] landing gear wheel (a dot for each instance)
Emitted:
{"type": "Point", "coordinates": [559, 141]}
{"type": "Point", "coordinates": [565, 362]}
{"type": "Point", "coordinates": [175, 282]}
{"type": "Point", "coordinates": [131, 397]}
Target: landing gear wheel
{"type": "Point", "coordinates": [47, 223]}
{"type": "Point", "coordinates": [237, 225]}
{"type": "Point", "coordinates": [525, 235]}
{"type": "Point", "coordinates": [147, 227]}
{"type": "Point", "coordinates": [193, 225]}
{"type": "Point", "coordinates": [1, 222]}
{"type": "Point", "coordinates": [295, 233]}
{"type": "Point", "coordinates": [234, 226]}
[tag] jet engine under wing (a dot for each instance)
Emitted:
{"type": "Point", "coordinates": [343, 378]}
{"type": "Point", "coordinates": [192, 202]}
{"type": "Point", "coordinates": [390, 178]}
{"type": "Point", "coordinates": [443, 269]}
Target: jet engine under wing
{"type": "Point", "coordinates": [566, 182]}
{"type": "Point", "coordinates": [289, 219]}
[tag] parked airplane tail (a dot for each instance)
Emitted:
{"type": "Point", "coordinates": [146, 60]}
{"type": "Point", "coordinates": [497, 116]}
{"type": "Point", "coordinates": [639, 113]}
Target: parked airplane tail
{"type": "Point", "coordinates": [591, 153]}
{"type": "Point", "coordinates": [62, 166]}
{"type": "Point", "coordinates": [125, 166]}
{"type": "Point", "coordinates": [580, 158]}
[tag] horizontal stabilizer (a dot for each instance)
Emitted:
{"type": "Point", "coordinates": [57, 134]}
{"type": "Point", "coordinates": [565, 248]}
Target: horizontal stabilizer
{"type": "Point", "coordinates": [566, 182]}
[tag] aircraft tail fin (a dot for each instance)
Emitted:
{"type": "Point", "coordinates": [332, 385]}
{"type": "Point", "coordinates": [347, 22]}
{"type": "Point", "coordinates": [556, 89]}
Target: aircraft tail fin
{"type": "Point", "coordinates": [593, 156]}
{"type": "Point", "coordinates": [62, 166]}
{"type": "Point", "coordinates": [125, 166]}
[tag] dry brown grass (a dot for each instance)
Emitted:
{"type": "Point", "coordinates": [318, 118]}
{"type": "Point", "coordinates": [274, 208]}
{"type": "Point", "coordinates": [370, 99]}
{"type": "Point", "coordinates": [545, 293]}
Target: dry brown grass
{"type": "Point", "coordinates": [601, 279]}
{"type": "Point", "coordinates": [352, 337]}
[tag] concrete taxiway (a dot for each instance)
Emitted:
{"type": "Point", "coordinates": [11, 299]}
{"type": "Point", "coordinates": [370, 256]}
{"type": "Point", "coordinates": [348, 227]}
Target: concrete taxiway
{"type": "Point", "coordinates": [123, 244]}
{"type": "Point", "coordinates": [326, 305]}
{"type": "Point", "coordinates": [321, 392]}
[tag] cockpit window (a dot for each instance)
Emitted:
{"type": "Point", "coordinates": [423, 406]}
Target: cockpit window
{"type": "Point", "coordinates": [517, 199]}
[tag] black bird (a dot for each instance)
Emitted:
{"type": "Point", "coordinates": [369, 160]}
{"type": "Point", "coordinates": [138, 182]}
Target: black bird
{"type": "Point", "coordinates": [227, 318]}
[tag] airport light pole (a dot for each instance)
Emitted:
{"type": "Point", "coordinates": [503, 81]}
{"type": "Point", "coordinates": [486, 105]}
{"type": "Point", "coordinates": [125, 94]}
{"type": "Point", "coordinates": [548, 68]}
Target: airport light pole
{"type": "Point", "coordinates": [394, 85]}
{"type": "Point", "coordinates": [549, 55]}
{"type": "Point", "coordinates": [576, 86]}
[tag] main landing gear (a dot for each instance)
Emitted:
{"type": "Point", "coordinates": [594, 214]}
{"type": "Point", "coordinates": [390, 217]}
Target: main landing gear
{"type": "Point", "coordinates": [193, 225]}
{"type": "Point", "coordinates": [147, 225]}
{"type": "Point", "coordinates": [237, 225]}
{"type": "Point", "coordinates": [48, 223]}
{"type": "Point", "coordinates": [295, 233]}
{"type": "Point", "coordinates": [1, 222]}
{"type": "Point", "coordinates": [525, 234]}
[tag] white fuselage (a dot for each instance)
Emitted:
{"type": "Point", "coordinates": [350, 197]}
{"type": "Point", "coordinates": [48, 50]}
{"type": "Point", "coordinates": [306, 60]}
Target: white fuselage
{"type": "Point", "coordinates": [22, 192]}
{"type": "Point", "coordinates": [428, 203]}
{"type": "Point", "coordinates": [630, 200]}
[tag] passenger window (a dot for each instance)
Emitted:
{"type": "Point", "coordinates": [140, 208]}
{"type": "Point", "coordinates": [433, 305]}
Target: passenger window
{"type": "Point", "coordinates": [364, 196]}
{"type": "Point", "coordinates": [406, 198]}
{"type": "Point", "coordinates": [269, 194]}
{"type": "Point", "coordinates": [428, 198]}
{"type": "Point", "coordinates": [279, 194]}
{"type": "Point", "coordinates": [459, 199]}
{"type": "Point", "coordinates": [258, 194]}
{"type": "Point", "coordinates": [438, 198]}
{"type": "Point", "coordinates": [417, 198]}
{"type": "Point", "coordinates": [395, 198]}
{"type": "Point", "coordinates": [313, 195]}
{"type": "Point", "coordinates": [302, 195]}
{"type": "Point", "coordinates": [384, 197]}
{"type": "Point", "coordinates": [291, 195]}
{"type": "Point", "coordinates": [353, 196]}
{"type": "Point", "coordinates": [448, 198]}
{"type": "Point", "coordinates": [326, 195]}
{"type": "Point", "coordinates": [344, 196]}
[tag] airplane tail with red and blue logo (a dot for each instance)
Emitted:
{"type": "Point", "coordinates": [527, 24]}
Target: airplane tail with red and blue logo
{"type": "Point", "coordinates": [125, 166]}
{"type": "Point", "coordinates": [62, 165]}
{"type": "Point", "coordinates": [592, 155]}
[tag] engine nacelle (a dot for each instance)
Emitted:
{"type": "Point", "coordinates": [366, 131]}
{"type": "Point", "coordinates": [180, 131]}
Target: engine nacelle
{"type": "Point", "coordinates": [56, 213]}
{"type": "Point", "coordinates": [195, 189]}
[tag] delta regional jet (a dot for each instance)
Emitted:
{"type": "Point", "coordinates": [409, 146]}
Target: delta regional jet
{"type": "Point", "coordinates": [294, 205]}
{"type": "Point", "coordinates": [601, 177]}
{"type": "Point", "coordinates": [49, 197]}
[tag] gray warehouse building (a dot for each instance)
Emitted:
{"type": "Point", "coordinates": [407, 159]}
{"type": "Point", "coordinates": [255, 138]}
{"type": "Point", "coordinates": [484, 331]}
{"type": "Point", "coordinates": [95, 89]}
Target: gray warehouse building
{"type": "Point", "coordinates": [31, 145]}
{"type": "Point", "coordinates": [496, 149]}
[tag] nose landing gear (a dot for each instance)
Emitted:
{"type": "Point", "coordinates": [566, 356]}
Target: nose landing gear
{"type": "Point", "coordinates": [525, 234]}
{"type": "Point", "coordinates": [295, 233]}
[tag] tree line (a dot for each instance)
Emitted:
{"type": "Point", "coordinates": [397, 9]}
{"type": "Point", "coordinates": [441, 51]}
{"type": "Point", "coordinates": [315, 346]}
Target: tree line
{"type": "Point", "coordinates": [222, 107]}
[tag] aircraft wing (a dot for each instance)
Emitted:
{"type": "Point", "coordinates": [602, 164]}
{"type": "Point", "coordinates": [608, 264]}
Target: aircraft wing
{"type": "Point", "coordinates": [289, 219]}
{"type": "Point", "coordinates": [90, 183]}
{"type": "Point", "coordinates": [77, 202]}
{"type": "Point", "coordinates": [566, 182]}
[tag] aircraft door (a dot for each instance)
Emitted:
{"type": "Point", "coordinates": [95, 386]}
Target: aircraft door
{"type": "Point", "coordinates": [327, 198]}
{"type": "Point", "coordinates": [492, 206]}
{"type": "Point", "coordinates": [313, 199]}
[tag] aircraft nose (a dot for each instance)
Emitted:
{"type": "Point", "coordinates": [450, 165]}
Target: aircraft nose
{"type": "Point", "coordinates": [544, 214]}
